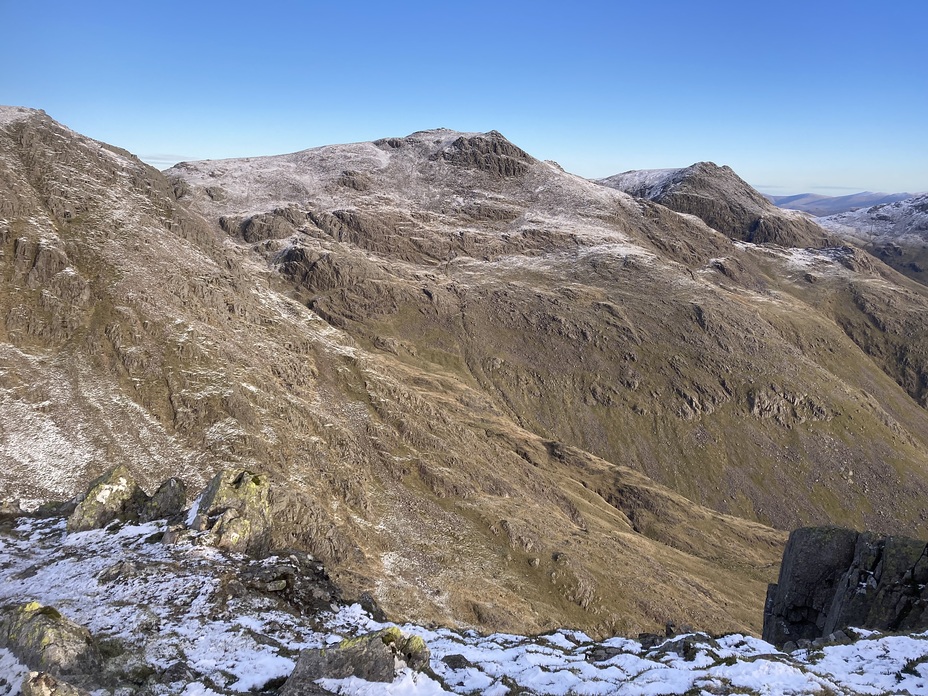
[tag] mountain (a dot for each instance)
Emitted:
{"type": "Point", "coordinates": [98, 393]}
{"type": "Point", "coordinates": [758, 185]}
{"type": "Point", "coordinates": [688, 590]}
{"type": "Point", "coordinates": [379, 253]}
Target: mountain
{"type": "Point", "coordinates": [487, 392]}
{"type": "Point", "coordinates": [722, 200]}
{"type": "Point", "coordinates": [896, 233]}
{"type": "Point", "coordinates": [821, 206]}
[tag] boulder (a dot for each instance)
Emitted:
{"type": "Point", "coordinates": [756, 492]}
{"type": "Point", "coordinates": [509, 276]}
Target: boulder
{"type": "Point", "coordinates": [113, 496]}
{"type": "Point", "coordinates": [43, 684]}
{"type": "Point", "coordinates": [235, 509]}
{"type": "Point", "coordinates": [373, 657]}
{"type": "Point", "coordinates": [167, 502]}
{"type": "Point", "coordinates": [832, 579]}
{"type": "Point", "coordinates": [46, 641]}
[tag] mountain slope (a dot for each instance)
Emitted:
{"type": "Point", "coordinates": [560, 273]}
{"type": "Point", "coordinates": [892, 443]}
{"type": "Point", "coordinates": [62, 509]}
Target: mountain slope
{"type": "Point", "coordinates": [722, 200]}
{"type": "Point", "coordinates": [489, 392]}
{"type": "Point", "coordinates": [136, 333]}
{"type": "Point", "coordinates": [896, 233]}
{"type": "Point", "coordinates": [605, 322]}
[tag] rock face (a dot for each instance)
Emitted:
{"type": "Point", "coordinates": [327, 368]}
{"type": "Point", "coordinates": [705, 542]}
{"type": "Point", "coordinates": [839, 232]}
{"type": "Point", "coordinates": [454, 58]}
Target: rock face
{"type": "Point", "coordinates": [374, 657]}
{"type": "Point", "coordinates": [168, 501]}
{"type": "Point", "coordinates": [46, 641]}
{"type": "Point", "coordinates": [235, 509]}
{"type": "Point", "coordinates": [833, 578]}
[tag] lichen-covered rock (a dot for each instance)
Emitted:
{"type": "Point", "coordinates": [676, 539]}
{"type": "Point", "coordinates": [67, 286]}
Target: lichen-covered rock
{"type": "Point", "coordinates": [167, 502]}
{"type": "Point", "coordinates": [113, 496]}
{"type": "Point", "coordinates": [46, 641]}
{"type": "Point", "coordinates": [373, 657]}
{"type": "Point", "coordinates": [42, 684]}
{"type": "Point", "coordinates": [235, 509]}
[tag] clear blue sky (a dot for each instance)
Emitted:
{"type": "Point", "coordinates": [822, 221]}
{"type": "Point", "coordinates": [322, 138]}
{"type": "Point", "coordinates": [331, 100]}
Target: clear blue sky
{"type": "Point", "coordinates": [827, 96]}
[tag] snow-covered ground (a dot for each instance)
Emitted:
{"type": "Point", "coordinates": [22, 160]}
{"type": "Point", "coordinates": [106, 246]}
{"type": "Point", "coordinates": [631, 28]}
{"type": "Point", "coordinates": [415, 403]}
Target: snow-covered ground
{"type": "Point", "coordinates": [169, 605]}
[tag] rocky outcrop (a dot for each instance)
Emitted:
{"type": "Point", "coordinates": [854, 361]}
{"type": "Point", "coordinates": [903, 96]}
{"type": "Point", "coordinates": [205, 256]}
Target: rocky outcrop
{"type": "Point", "coordinates": [374, 657]}
{"type": "Point", "coordinates": [117, 496]}
{"type": "Point", "coordinates": [235, 510]}
{"type": "Point", "coordinates": [833, 578]}
{"type": "Point", "coordinates": [46, 641]}
{"type": "Point", "coordinates": [167, 502]}
{"type": "Point", "coordinates": [113, 496]}
{"type": "Point", "coordinates": [489, 152]}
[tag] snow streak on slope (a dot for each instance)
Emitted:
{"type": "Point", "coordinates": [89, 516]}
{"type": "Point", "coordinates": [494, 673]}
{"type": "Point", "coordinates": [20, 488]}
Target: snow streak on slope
{"type": "Point", "coordinates": [166, 605]}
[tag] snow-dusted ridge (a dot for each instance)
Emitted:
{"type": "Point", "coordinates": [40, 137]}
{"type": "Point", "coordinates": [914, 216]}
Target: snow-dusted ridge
{"type": "Point", "coordinates": [11, 114]}
{"type": "Point", "coordinates": [165, 605]}
{"type": "Point", "coordinates": [643, 183]}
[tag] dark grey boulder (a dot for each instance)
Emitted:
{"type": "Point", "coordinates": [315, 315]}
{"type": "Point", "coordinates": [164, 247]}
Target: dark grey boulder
{"type": "Point", "coordinates": [832, 579]}
{"type": "Point", "coordinates": [167, 502]}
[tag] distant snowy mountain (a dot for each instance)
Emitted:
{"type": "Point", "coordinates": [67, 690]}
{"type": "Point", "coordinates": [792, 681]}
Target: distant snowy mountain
{"type": "Point", "coordinates": [818, 205]}
{"type": "Point", "coordinates": [896, 232]}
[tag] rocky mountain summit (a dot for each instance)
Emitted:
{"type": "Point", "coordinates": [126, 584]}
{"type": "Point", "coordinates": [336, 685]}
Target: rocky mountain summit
{"type": "Point", "coordinates": [483, 391]}
{"type": "Point", "coordinates": [724, 201]}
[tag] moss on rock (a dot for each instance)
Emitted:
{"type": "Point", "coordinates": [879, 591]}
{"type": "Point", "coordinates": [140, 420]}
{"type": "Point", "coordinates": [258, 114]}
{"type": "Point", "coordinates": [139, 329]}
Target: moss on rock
{"type": "Point", "coordinates": [46, 641]}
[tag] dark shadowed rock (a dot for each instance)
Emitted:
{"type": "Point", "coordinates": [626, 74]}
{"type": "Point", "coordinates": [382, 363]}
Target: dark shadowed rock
{"type": "Point", "coordinates": [295, 577]}
{"type": "Point", "coordinates": [46, 641]}
{"type": "Point", "coordinates": [833, 578]}
{"type": "Point", "coordinates": [235, 508]}
{"type": "Point", "coordinates": [168, 501]}
{"type": "Point", "coordinates": [113, 496]}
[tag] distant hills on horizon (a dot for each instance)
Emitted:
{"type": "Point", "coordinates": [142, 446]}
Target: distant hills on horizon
{"type": "Point", "coordinates": [820, 206]}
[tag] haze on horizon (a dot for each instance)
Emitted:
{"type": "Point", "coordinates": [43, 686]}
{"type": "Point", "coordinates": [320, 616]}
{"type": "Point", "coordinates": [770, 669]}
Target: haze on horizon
{"type": "Point", "coordinates": [827, 98]}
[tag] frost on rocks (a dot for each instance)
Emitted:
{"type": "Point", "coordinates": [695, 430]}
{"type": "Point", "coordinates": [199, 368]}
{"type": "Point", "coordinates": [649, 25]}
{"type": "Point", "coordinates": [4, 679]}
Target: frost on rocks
{"type": "Point", "coordinates": [174, 616]}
